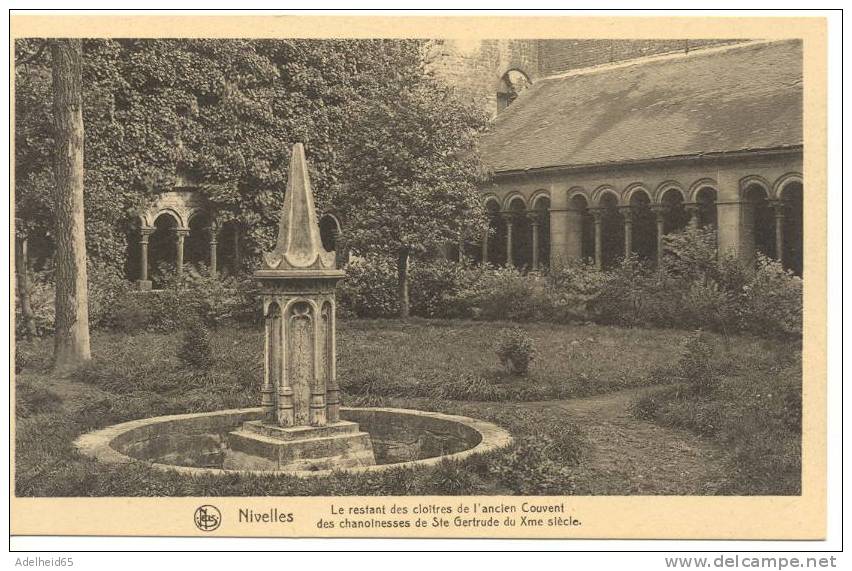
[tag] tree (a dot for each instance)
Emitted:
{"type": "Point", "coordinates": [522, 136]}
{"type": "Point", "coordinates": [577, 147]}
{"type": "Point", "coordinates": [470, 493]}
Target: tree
{"type": "Point", "coordinates": [71, 336]}
{"type": "Point", "coordinates": [412, 168]}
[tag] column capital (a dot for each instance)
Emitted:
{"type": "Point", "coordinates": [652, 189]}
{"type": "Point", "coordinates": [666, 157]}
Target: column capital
{"type": "Point", "coordinates": [182, 232]}
{"type": "Point", "coordinates": [597, 213]}
{"type": "Point", "coordinates": [534, 217]}
{"type": "Point", "coordinates": [691, 206]}
{"type": "Point", "coordinates": [659, 211]}
{"type": "Point", "coordinates": [144, 234]}
{"type": "Point", "coordinates": [627, 213]}
{"type": "Point", "coordinates": [508, 215]}
{"type": "Point", "coordinates": [778, 206]}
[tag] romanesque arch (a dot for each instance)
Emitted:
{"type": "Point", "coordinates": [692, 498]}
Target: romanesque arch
{"type": "Point", "coordinates": [518, 232]}
{"type": "Point", "coordinates": [540, 218]}
{"type": "Point", "coordinates": [641, 233]}
{"type": "Point", "coordinates": [165, 227]}
{"type": "Point", "coordinates": [512, 83]}
{"type": "Point", "coordinates": [162, 247]}
{"type": "Point", "coordinates": [329, 227]}
{"type": "Point", "coordinates": [703, 195]}
{"type": "Point", "coordinates": [583, 223]}
{"type": "Point", "coordinates": [675, 216]}
{"type": "Point", "coordinates": [757, 217]}
{"type": "Point", "coordinates": [198, 239]}
{"type": "Point", "coordinates": [609, 229]}
{"type": "Point", "coordinates": [789, 222]}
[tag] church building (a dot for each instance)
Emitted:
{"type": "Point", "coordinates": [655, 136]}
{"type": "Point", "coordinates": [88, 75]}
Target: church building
{"type": "Point", "coordinates": [601, 147]}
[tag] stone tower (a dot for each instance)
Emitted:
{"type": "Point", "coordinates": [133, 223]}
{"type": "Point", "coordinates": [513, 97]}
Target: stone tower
{"type": "Point", "coordinates": [300, 428]}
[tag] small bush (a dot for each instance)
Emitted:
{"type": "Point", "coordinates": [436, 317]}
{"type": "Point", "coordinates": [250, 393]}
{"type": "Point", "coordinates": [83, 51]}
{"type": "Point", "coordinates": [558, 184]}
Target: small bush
{"type": "Point", "coordinates": [370, 288]}
{"type": "Point", "coordinates": [195, 350]}
{"type": "Point", "coordinates": [516, 350]}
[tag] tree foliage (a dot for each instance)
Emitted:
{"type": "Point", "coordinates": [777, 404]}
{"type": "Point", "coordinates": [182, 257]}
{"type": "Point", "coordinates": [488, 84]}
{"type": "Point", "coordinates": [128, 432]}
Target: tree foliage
{"type": "Point", "coordinates": [221, 116]}
{"type": "Point", "coordinates": [413, 169]}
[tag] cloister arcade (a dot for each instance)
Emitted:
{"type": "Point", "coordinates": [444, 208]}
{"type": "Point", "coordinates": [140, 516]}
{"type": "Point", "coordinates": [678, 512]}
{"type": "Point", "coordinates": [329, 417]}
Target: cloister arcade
{"type": "Point", "coordinates": [607, 223]}
{"type": "Point", "coordinates": [603, 224]}
{"type": "Point", "coordinates": [180, 231]}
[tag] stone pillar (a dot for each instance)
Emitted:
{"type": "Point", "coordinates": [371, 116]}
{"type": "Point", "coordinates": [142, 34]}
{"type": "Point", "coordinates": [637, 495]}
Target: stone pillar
{"type": "Point", "coordinates": [509, 217]}
{"type": "Point", "coordinates": [597, 214]}
{"type": "Point", "coordinates": [144, 283]}
{"type": "Point", "coordinates": [627, 213]}
{"type": "Point", "coordinates": [778, 209]}
{"type": "Point", "coordinates": [213, 243]}
{"type": "Point", "coordinates": [660, 213]}
{"type": "Point", "coordinates": [272, 326]}
{"type": "Point", "coordinates": [182, 233]}
{"type": "Point", "coordinates": [332, 388]}
{"type": "Point", "coordinates": [535, 223]}
{"type": "Point", "coordinates": [693, 213]}
{"type": "Point", "coordinates": [734, 217]}
{"type": "Point", "coordinates": [485, 243]}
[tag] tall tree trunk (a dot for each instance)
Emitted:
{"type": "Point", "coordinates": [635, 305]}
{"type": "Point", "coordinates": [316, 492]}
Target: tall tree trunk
{"type": "Point", "coordinates": [71, 337]}
{"type": "Point", "coordinates": [22, 268]}
{"type": "Point", "coordinates": [402, 275]}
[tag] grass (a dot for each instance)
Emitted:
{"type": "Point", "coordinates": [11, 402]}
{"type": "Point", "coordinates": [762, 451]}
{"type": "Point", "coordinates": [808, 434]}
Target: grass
{"type": "Point", "coordinates": [753, 411]}
{"type": "Point", "coordinates": [447, 366]}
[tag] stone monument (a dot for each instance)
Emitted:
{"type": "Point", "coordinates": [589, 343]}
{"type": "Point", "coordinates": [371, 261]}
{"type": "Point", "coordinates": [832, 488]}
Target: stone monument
{"type": "Point", "coordinates": [301, 427]}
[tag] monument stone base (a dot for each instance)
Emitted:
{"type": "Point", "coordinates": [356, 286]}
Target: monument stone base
{"type": "Point", "coordinates": [260, 446]}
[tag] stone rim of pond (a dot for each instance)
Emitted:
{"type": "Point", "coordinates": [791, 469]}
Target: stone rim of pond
{"type": "Point", "coordinates": [99, 444]}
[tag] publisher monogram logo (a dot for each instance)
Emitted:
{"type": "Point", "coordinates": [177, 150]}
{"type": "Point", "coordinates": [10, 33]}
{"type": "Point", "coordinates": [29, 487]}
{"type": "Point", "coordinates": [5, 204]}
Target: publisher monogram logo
{"type": "Point", "coordinates": [207, 518]}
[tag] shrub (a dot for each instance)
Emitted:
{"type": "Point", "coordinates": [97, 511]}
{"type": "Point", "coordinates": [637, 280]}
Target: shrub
{"type": "Point", "coordinates": [437, 284]}
{"type": "Point", "coordinates": [369, 288]}
{"type": "Point", "coordinates": [195, 350]}
{"type": "Point", "coordinates": [771, 300]}
{"type": "Point", "coordinates": [107, 286]}
{"type": "Point", "coordinates": [516, 350]}
{"type": "Point", "coordinates": [195, 294]}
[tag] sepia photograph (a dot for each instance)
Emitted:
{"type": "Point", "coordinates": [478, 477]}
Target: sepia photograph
{"type": "Point", "coordinates": [339, 267]}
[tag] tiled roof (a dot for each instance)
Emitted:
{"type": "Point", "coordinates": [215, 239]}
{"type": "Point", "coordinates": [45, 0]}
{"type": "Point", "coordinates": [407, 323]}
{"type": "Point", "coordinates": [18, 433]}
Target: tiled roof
{"type": "Point", "coordinates": [738, 99]}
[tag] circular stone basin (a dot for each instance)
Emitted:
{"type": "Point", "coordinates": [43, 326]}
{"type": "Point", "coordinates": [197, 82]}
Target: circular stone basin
{"type": "Point", "coordinates": [198, 443]}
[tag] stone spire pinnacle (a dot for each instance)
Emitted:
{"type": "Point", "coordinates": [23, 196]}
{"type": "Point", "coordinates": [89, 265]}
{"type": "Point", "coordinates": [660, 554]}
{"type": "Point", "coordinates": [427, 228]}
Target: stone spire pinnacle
{"type": "Point", "coordinates": [299, 244]}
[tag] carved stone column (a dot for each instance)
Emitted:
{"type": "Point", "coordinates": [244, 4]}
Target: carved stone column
{"type": "Point", "coordinates": [660, 214]}
{"type": "Point", "coordinates": [509, 217]}
{"type": "Point", "coordinates": [144, 283]}
{"type": "Point", "coordinates": [181, 233]}
{"type": "Point", "coordinates": [597, 215]}
{"type": "Point", "coordinates": [213, 243]}
{"type": "Point", "coordinates": [778, 208]}
{"type": "Point", "coordinates": [627, 213]}
{"type": "Point", "coordinates": [485, 244]}
{"type": "Point", "coordinates": [535, 222]}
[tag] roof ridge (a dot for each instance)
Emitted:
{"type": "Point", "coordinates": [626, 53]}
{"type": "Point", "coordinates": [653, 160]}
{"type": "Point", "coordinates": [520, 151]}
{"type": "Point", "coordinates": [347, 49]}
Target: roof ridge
{"type": "Point", "coordinates": [660, 58]}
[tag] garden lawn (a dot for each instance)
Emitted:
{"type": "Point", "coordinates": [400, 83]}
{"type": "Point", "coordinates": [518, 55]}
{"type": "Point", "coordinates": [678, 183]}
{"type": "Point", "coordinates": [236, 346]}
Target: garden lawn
{"type": "Point", "coordinates": [568, 439]}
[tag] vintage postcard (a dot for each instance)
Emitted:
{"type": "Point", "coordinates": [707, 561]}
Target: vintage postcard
{"type": "Point", "coordinates": [419, 276]}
